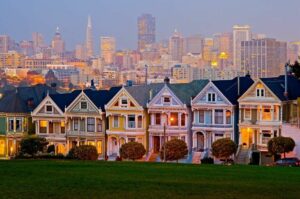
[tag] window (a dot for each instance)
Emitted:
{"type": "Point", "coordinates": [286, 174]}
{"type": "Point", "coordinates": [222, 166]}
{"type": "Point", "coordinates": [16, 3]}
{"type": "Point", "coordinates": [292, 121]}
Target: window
{"type": "Point", "coordinates": [2, 147]}
{"type": "Point", "coordinates": [182, 119]}
{"type": "Point", "coordinates": [201, 116]}
{"type": "Point", "coordinates": [211, 97]}
{"type": "Point", "coordinates": [157, 119]}
{"type": "Point", "coordinates": [208, 117]}
{"type": "Point", "coordinates": [83, 105]}
{"type": "Point", "coordinates": [174, 119]}
{"type": "Point", "coordinates": [140, 121]}
{"type": "Point", "coordinates": [82, 125]}
{"type": "Point", "coordinates": [49, 109]}
{"type": "Point", "coordinates": [131, 121]}
{"type": "Point", "coordinates": [260, 92]}
{"type": "Point", "coordinates": [99, 125]}
{"type": "Point", "coordinates": [116, 121]}
{"type": "Point", "coordinates": [228, 117]}
{"type": "Point", "coordinates": [75, 123]}
{"type": "Point", "coordinates": [132, 139]}
{"type": "Point", "coordinates": [247, 115]}
{"type": "Point", "coordinates": [90, 124]}
{"type": "Point", "coordinates": [62, 127]}
{"type": "Point", "coordinates": [124, 102]}
{"type": "Point", "coordinates": [11, 124]}
{"type": "Point", "coordinates": [266, 136]}
{"type": "Point", "coordinates": [43, 126]}
{"type": "Point", "coordinates": [18, 124]}
{"type": "Point", "coordinates": [219, 116]}
{"type": "Point", "coordinates": [266, 114]}
{"type": "Point", "coordinates": [166, 100]}
{"type": "Point", "coordinates": [99, 147]}
{"type": "Point", "coordinates": [218, 136]}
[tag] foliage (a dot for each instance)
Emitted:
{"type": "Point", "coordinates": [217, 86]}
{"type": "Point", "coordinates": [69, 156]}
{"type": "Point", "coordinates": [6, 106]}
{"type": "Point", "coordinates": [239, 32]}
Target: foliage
{"type": "Point", "coordinates": [51, 149]}
{"type": "Point", "coordinates": [31, 126]}
{"type": "Point", "coordinates": [296, 69]}
{"type": "Point", "coordinates": [281, 145]}
{"type": "Point", "coordinates": [223, 148]}
{"type": "Point", "coordinates": [83, 152]}
{"type": "Point", "coordinates": [207, 160]}
{"type": "Point", "coordinates": [175, 150]}
{"type": "Point", "coordinates": [43, 156]}
{"type": "Point", "coordinates": [32, 145]}
{"type": "Point", "coordinates": [132, 151]}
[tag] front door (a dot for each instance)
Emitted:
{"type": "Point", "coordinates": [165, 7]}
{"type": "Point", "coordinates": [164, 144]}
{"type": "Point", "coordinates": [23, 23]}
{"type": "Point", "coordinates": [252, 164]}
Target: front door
{"type": "Point", "coordinates": [200, 141]}
{"type": "Point", "coordinates": [247, 138]}
{"type": "Point", "coordinates": [156, 144]}
{"type": "Point", "coordinates": [114, 146]}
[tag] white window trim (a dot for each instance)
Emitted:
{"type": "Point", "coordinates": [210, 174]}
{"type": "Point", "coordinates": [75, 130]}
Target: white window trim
{"type": "Point", "coordinates": [211, 96]}
{"type": "Point", "coordinates": [114, 126]}
{"type": "Point", "coordinates": [13, 121]}
{"type": "Point", "coordinates": [247, 118]}
{"type": "Point", "coordinates": [86, 105]}
{"type": "Point", "coordinates": [49, 111]}
{"type": "Point", "coordinates": [259, 92]}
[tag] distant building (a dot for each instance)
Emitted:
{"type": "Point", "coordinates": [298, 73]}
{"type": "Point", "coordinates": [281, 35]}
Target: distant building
{"type": "Point", "coordinates": [193, 44]}
{"type": "Point", "coordinates": [38, 41]}
{"type": "Point", "coordinates": [11, 59]}
{"type": "Point", "coordinates": [26, 47]}
{"type": "Point", "coordinates": [89, 39]}
{"type": "Point", "coordinates": [4, 43]}
{"type": "Point", "coordinates": [108, 49]}
{"type": "Point", "coordinates": [263, 57]}
{"type": "Point", "coordinates": [176, 46]}
{"type": "Point", "coordinates": [294, 51]}
{"type": "Point", "coordinates": [57, 44]}
{"type": "Point", "coordinates": [240, 33]}
{"type": "Point", "coordinates": [146, 31]}
{"type": "Point", "coordinates": [80, 52]}
{"type": "Point", "coordinates": [37, 63]}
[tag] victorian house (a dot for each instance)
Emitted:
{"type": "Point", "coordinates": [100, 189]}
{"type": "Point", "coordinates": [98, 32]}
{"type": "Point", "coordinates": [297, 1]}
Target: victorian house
{"type": "Point", "coordinates": [15, 120]}
{"type": "Point", "coordinates": [215, 112]}
{"type": "Point", "coordinates": [170, 113]}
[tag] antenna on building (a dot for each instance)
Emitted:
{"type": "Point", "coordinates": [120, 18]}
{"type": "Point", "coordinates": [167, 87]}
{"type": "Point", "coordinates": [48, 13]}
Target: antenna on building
{"type": "Point", "coordinates": [146, 75]}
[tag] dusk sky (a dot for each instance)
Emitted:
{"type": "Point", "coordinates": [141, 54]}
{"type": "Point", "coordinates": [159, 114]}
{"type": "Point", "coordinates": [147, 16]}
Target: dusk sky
{"type": "Point", "coordinates": [275, 18]}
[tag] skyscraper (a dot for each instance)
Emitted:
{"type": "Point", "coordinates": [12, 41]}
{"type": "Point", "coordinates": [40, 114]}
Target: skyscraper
{"type": "Point", "coordinates": [176, 46]}
{"type": "Point", "coordinates": [4, 43]}
{"type": "Point", "coordinates": [108, 49]}
{"type": "Point", "coordinates": [193, 44]}
{"type": "Point", "coordinates": [57, 44]}
{"type": "Point", "coordinates": [240, 33]}
{"type": "Point", "coordinates": [38, 41]}
{"type": "Point", "coordinates": [146, 31]}
{"type": "Point", "coordinates": [263, 57]}
{"type": "Point", "coordinates": [89, 38]}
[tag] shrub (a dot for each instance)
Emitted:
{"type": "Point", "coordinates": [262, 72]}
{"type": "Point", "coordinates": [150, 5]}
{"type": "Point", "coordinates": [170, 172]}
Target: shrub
{"type": "Point", "coordinates": [32, 145]}
{"type": "Point", "coordinates": [175, 150]}
{"type": "Point", "coordinates": [51, 149]}
{"type": "Point", "coordinates": [281, 145]}
{"type": "Point", "coordinates": [207, 160]}
{"type": "Point", "coordinates": [83, 152]}
{"type": "Point", "coordinates": [223, 148]}
{"type": "Point", "coordinates": [132, 151]}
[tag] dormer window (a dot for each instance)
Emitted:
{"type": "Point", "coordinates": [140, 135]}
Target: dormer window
{"type": "Point", "coordinates": [211, 97]}
{"type": "Point", "coordinates": [83, 105]}
{"type": "Point", "coordinates": [124, 102]}
{"type": "Point", "coordinates": [166, 100]}
{"type": "Point", "coordinates": [260, 92]}
{"type": "Point", "coordinates": [49, 109]}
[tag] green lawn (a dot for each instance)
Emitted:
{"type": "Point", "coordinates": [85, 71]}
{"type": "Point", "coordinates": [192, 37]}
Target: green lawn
{"type": "Point", "coordinates": [75, 179]}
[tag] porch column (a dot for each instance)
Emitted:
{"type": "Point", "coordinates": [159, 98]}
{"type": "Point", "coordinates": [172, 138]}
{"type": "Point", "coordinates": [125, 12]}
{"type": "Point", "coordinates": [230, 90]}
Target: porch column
{"type": "Point", "coordinates": [213, 116]}
{"type": "Point", "coordinates": [179, 119]}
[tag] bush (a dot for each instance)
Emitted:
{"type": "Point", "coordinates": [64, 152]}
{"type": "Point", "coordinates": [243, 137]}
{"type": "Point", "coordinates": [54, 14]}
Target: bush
{"type": "Point", "coordinates": [281, 145]}
{"type": "Point", "coordinates": [45, 156]}
{"type": "Point", "coordinates": [83, 152]}
{"type": "Point", "coordinates": [175, 150]}
{"type": "Point", "coordinates": [51, 149]}
{"type": "Point", "coordinates": [31, 145]}
{"type": "Point", "coordinates": [207, 160]}
{"type": "Point", "coordinates": [223, 148]}
{"type": "Point", "coordinates": [132, 151]}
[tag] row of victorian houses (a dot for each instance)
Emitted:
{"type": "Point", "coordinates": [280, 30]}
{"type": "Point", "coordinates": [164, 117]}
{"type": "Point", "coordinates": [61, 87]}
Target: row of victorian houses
{"type": "Point", "coordinates": [200, 112]}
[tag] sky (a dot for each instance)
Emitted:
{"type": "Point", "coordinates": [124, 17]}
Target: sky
{"type": "Point", "coordinates": [118, 18]}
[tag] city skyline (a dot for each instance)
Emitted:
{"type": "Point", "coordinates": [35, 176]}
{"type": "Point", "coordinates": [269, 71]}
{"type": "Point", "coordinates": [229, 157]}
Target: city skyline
{"type": "Point", "coordinates": [189, 18]}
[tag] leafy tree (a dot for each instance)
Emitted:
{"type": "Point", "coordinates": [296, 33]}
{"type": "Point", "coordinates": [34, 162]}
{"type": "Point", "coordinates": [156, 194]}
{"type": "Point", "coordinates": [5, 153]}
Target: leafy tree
{"type": "Point", "coordinates": [83, 152]}
{"type": "Point", "coordinates": [296, 69]}
{"type": "Point", "coordinates": [223, 148]}
{"type": "Point", "coordinates": [175, 150]}
{"type": "Point", "coordinates": [132, 151]}
{"type": "Point", "coordinates": [32, 145]}
{"type": "Point", "coordinates": [281, 145]}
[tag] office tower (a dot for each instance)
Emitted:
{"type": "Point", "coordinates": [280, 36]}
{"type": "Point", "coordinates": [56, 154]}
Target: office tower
{"type": "Point", "coordinates": [223, 46]}
{"type": "Point", "coordinates": [108, 49]}
{"type": "Point", "coordinates": [207, 52]}
{"type": "Point", "coordinates": [58, 45]}
{"type": "Point", "coordinates": [294, 51]}
{"type": "Point", "coordinates": [80, 52]}
{"type": "Point", "coordinates": [89, 38]}
{"type": "Point", "coordinates": [193, 44]}
{"type": "Point", "coordinates": [4, 43]}
{"type": "Point", "coordinates": [263, 57]}
{"type": "Point", "coordinates": [26, 47]}
{"type": "Point", "coordinates": [240, 33]}
{"type": "Point", "coordinates": [176, 46]}
{"type": "Point", "coordinates": [146, 31]}
{"type": "Point", "coordinates": [38, 41]}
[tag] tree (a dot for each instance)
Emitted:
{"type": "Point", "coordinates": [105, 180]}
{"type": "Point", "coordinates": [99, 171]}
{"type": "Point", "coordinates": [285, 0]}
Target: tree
{"type": "Point", "coordinates": [32, 145]}
{"type": "Point", "coordinates": [296, 69]}
{"type": "Point", "coordinates": [281, 145]}
{"type": "Point", "coordinates": [223, 148]}
{"type": "Point", "coordinates": [83, 152]}
{"type": "Point", "coordinates": [175, 150]}
{"type": "Point", "coordinates": [132, 151]}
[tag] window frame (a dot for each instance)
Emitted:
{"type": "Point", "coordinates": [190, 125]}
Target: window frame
{"type": "Point", "coordinates": [211, 97]}
{"type": "Point", "coordinates": [90, 124]}
{"type": "Point", "coordinates": [247, 118]}
{"type": "Point", "coordinates": [86, 105]}
{"type": "Point", "coordinates": [46, 109]}
{"type": "Point", "coordinates": [133, 126]}
{"type": "Point", "coordinates": [116, 121]}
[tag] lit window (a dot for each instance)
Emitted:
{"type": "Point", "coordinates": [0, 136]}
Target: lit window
{"type": "Point", "coordinates": [266, 114]}
{"type": "Point", "coordinates": [174, 119]}
{"type": "Point", "coordinates": [228, 117]}
{"type": "Point", "coordinates": [83, 105]}
{"type": "Point", "coordinates": [62, 127]}
{"type": "Point", "coordinates": [99, 147]}
{"type": "Point", "coordinates": [2, 147]}
{"type": "Point", "coordinates": [43, 126]}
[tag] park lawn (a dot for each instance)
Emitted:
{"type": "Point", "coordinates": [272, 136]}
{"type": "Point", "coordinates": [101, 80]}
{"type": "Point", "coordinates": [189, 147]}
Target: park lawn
{"type": "Point", "coordinates": [79, 179]}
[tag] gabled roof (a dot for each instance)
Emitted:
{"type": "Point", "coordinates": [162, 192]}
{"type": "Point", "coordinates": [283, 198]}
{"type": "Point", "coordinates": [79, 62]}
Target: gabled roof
{"type": "Point", "coordinates": [16, 101]}
{"type": "Point", "coordinates": [63, 100]}
{"type": "Point", "coordinates": [229, 88]}
{"type": "Point", "coordinates": [277, 84]}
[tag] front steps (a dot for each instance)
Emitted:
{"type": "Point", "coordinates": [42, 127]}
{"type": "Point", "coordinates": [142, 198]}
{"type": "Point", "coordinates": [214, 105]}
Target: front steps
{"type": "Point", "coordinates": [196, 158]}
{"type": "Point", "coordinates": [243, 156]}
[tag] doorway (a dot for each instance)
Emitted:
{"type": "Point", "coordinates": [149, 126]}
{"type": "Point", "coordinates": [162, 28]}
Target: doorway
{"type": "Point", "coordinates": [200, 141]}
{"type": "Point", "coordinates": [156, 144]}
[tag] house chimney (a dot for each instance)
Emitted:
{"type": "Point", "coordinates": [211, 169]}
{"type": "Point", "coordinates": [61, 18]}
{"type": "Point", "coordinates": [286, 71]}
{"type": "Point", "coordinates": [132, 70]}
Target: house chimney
{"type": "Point", "coordinates": [92, 85]}
{"type": "Point", "coordinates": [287, 65]}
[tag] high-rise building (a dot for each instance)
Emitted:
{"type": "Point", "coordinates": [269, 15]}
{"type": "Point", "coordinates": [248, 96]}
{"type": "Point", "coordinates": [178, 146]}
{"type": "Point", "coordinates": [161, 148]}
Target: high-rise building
{"type": "Point", "coordinates": [89, 38]}
{"type": "Point", "coordinates": [294, 51]}
{"type": "Point", "coordinates": [26, 47]}
{"type": "Point", "coordinates": [4, 43]}
{"type": "Point", "coordinates": [80, 52]}
{"type": "Point", "coordinates": [176, 46]}
{"type": "Point", "coordinates": [263, 57]}
{"type": "Point", "coordinates": [207, 52]}
{"type": "Point", "coordinates": [58, 45]}
{"type": "Point", "coordinates": [108, 49]}
{"type": "Point", "coordinates": [193, 44]}
{"type": "Point", "coordinates": [146, 31]}
{"type": "Point", "coordinates": [38, 41]}
{"type": "Point", "coordinates": [240, 33]}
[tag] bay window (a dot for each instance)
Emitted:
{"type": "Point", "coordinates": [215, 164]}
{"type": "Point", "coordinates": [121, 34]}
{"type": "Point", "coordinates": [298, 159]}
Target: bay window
{"type": "Point", "coordinates": [157, 118]}
{"type": "Point", "coordinates": [131, 121]}
{"type": "Point", "coordinates": [228, 117]}
{"type": "Point", "coordinates": [201, 116]}
{"type": "Point", "coordinates": [219, 116]}
{"type": "Point", "coordinates": [75, 124]}
{"type": "Point", "coordinates": [140, 121]}
{"type": "Point", "coordinates": [174, 119]}
{"type": "Point", "coordinates": [90, 124]}
{"type": "Point", "coordinates": [115, 121]}
{"type": "Point", "coordinates": [82, 125]}
{"type": "Point", "coordinates": [208, 117]}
